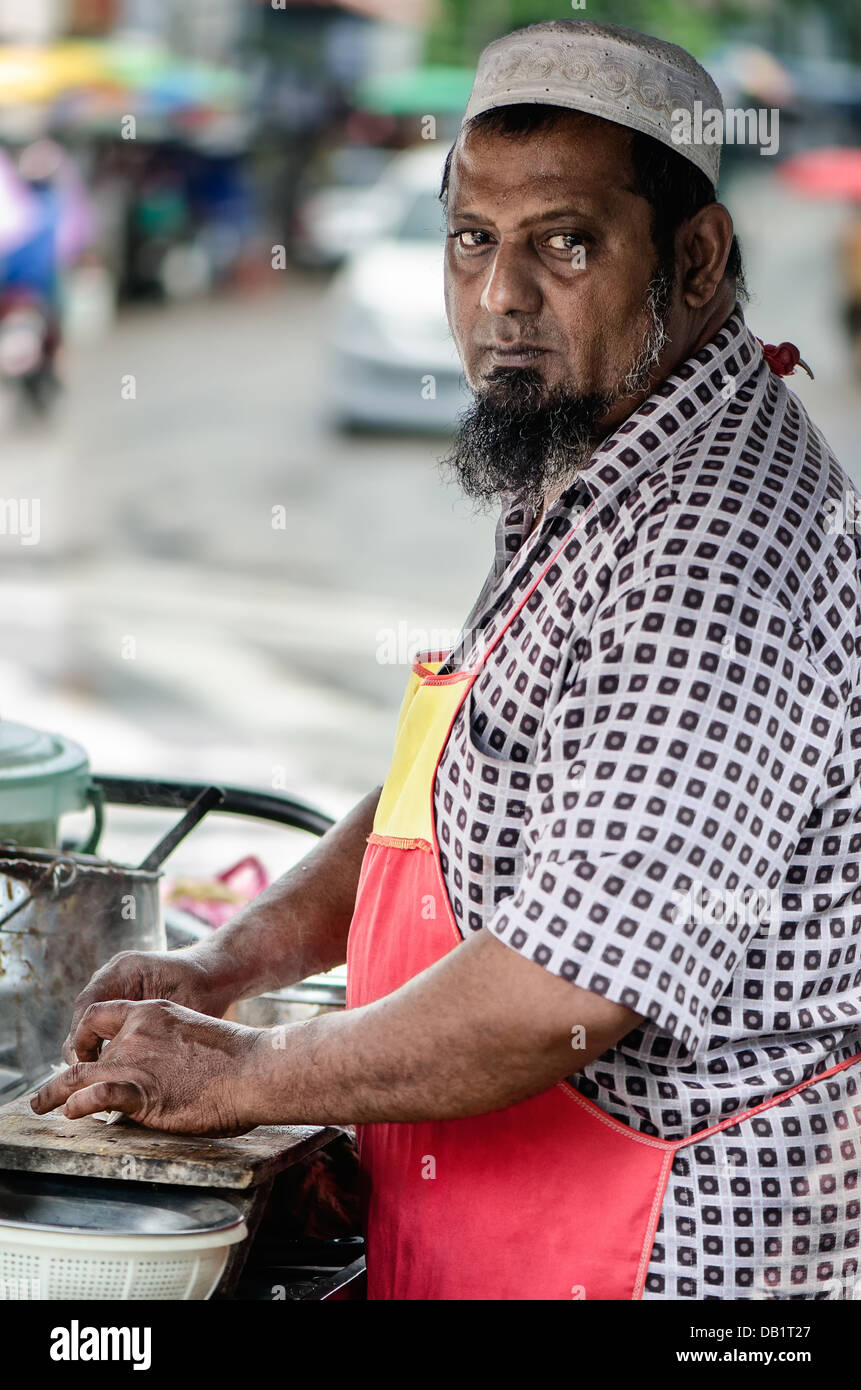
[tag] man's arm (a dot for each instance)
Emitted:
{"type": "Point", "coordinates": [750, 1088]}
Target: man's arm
{"type": "Point", "coordinates": [299, 925]}
{"type": "Point", "coordinates": [479, 1030]}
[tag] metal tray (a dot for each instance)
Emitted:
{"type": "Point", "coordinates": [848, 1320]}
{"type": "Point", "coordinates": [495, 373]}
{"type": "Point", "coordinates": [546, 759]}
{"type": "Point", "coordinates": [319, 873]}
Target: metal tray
{"type": "Point", "coordinates": [85, 1206]}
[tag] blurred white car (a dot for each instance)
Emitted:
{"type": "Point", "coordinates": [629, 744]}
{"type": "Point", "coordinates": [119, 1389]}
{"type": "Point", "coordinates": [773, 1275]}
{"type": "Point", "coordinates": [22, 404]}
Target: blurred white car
{"type": "Point", "coordinates": [348, 204]}
{"type": "Point", "coordinates": [392, 359]}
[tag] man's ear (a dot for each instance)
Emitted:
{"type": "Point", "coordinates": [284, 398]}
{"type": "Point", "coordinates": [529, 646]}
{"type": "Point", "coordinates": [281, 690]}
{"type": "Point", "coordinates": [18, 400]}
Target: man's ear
{"type": "Point", "coordinates": [703, 248]}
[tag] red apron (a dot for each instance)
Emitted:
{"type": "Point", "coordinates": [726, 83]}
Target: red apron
{"type": "Point", "coordinates": [548, 1199]}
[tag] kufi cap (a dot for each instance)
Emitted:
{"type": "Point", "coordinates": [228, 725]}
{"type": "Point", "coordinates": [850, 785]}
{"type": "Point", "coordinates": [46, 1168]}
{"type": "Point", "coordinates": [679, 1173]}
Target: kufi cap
{"type": "Point", "coordinates": [611, 72]}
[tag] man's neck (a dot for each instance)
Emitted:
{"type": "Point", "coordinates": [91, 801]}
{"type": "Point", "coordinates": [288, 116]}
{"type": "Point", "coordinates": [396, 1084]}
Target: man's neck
{"type": "Point", "coordinates": [551, 497]}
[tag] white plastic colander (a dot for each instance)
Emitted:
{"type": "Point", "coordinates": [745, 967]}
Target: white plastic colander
{"type": "Point", "coordinates": [78, 1239]}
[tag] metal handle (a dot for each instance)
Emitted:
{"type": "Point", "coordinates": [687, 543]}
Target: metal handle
{"type": "Point", "coordinates": [61, 872]}
{"type": "Point", "coordinates": [209, 798]}
{"type": "Point", "coordinates": [237, 801]}
{"type": "Point", "coordinates": [96, 798]}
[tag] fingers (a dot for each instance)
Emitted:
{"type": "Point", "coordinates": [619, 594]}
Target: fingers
{"type": "Point", "coordinates": [115, 980]}
{"type": "Point", "coordinates": [162, 1064]}
{"type": "Point", "coordinates": [70, 1052]}
{"type": "Point", "coordinates": [104, 1095]}
{"type": "Point", "coordinates": [57, 1091]}
{"type": "Point", "coordinates": [81, 1006]}
{"type": "Point", "coordinates": [84, 1090]}
{"type": "Point", "coordinates": [99, 1022]}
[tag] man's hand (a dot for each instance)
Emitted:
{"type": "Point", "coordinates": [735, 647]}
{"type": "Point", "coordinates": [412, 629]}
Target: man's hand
{"type": "Point", "coordinates": [181, 976]}
{"type": "Point", "coordinates": [163, 1065]}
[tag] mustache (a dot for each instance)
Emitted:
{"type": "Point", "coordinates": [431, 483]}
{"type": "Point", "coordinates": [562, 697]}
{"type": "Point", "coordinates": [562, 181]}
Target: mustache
{"type": "Point", "coordinates": [520, 343]}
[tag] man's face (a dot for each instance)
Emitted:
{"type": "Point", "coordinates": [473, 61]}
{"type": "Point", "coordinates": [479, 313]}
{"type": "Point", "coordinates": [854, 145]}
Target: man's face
{"type": "Point", "coordinates": [518, 292]}
{"type": "Point", "coordinates": [556, 301]}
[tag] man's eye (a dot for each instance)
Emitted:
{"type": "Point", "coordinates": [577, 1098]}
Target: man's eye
{"type": "Point", "coordinates": [567, 241]}
{"type": "Point", "coordinates": [469, 239]}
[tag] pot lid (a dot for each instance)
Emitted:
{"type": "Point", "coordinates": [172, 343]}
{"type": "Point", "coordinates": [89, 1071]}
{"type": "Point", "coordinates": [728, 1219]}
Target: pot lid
{"type": "Point", "coordinates": [42, 775]}
{"type": "Point", "coordinates": [88, 1206]}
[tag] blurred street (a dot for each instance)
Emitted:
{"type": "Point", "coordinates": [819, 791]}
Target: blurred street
{"type": "Point", "coordinates": [253, 648]}
{"type": "Point", "coordinates": [219, 242]}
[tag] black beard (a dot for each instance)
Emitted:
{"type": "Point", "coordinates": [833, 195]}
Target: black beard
{"type": "Point", "coordinates": [520, 440]}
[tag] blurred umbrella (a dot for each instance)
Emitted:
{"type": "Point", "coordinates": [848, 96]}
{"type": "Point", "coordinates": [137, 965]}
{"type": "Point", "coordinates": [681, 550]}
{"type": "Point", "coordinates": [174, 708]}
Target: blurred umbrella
{"type": "Point", "coordinates": [134, 64]}
{"type": "Point", "coordinates": [435, 88]}
{"type": "Point", "coordinates": [32, 75]}
{"type": "Point", "coordinates": [758, 73]}
{"type": "Point", "coordinates": [169, 82]}
{"type": "Point", "coordinates": [197, 84]}
{"type": "Point", "coordinates": [19, 211]}
{"type": "Point", "coordinates": [25, 77]}
{"type": "Point", "coordinates": [77, 63]}
{"type": "Point", "coordinates": [827, 173]}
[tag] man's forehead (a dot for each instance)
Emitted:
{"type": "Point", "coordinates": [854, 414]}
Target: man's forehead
{"type": "Point", "coordinates": [578, 162]}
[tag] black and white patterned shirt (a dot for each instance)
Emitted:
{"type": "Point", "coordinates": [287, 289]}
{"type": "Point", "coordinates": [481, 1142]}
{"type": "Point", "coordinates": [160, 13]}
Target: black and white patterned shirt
{"type": "Point", "coordinates": [654, 791]}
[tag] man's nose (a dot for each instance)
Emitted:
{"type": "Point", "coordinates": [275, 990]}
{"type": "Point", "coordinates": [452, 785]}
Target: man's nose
{"type": "Point", "coordinates": [510, 287]}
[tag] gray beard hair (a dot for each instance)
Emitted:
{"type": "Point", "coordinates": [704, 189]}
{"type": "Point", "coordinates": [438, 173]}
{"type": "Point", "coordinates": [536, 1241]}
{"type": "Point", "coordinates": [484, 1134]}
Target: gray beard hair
{"type": "Point", "coordinates": [516, 442]}
{"type": "Point", "coordinates": [657, 307]}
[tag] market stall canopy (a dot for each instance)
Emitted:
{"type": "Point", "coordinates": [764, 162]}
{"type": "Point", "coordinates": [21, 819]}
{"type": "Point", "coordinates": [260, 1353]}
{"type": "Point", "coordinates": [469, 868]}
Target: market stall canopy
{"type": "Point", "coordinates": [32, 75]}
{"type": "Point", "coordinates": [107, 76]}
{"type": "Point", "coordinates": [156, 72]}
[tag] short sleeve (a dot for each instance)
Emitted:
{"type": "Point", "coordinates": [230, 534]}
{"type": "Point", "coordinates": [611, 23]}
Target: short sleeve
{"type": "Point", "coordinates": [675, 775]}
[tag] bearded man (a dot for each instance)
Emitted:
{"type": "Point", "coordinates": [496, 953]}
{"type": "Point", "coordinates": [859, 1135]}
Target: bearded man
{"type": "Point", "coordinates": [604, 1030]}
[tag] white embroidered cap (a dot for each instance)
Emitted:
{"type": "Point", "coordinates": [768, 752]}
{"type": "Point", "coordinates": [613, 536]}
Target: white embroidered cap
{"type": "Point", "coordinates": [618, 74]}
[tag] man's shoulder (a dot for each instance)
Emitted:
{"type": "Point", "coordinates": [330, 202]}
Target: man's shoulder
{"type": "Point", "coordinates": [759, 474]}
{"type": "Point", "coordinates": [755, 501]}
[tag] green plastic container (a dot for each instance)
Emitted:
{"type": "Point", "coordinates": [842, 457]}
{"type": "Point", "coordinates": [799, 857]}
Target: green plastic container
{"type": "Point", "coordinates": [42, 777]}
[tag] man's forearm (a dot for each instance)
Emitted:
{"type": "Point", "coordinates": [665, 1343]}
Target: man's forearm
{"type": "Point", "coordinates": [479, 1030]}
{"type": "Point", "coordinates": [299, 925]}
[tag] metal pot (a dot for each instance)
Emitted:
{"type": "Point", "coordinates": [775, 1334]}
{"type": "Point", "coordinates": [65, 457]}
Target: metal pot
{"type": "Point", "coordinates": [61, 917]}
